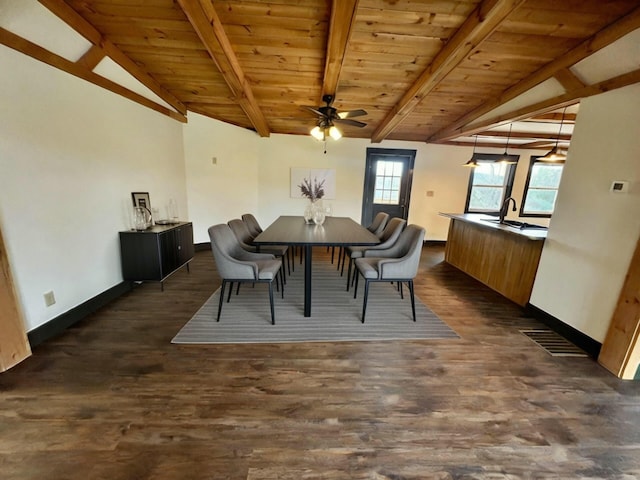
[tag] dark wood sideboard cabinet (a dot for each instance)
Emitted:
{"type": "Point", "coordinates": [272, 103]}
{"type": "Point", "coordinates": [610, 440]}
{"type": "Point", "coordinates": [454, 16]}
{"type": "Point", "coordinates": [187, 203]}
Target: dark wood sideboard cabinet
{"type": "Point", "coordinates": [155, 253]}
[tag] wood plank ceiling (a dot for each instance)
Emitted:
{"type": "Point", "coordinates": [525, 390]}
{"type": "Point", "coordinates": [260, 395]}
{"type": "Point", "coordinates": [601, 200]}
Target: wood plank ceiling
{"type": "Point", "coordinates": [423, 70]}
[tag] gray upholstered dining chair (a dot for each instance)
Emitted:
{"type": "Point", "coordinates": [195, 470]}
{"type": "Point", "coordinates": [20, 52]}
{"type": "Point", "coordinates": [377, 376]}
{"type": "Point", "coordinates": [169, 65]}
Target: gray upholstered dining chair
{"type": "Point", "coordinates": [255, 229]}
{"type": "Point", "coordinates": [387, 238]}
{"type": "Point", "coordinates": [376, 227]}
{"type": "Point", "coordinates": [236, 265]}
{"type": "Point", "coordinates": [396, 264]}
{"type": "Point", "coordinates": [378, 224]}
{"type": "Point", "coordinates": [252, 224]}
{"type": "Point", "coordinates": [241, 231]}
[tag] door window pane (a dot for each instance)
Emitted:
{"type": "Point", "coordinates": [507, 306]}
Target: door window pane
{"type": "Point", "coordinates": [388, 177]}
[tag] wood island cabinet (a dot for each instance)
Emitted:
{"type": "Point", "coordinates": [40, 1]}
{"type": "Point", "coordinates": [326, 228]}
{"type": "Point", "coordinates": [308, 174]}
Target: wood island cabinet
{"type": "Point", "coordinates": [155, 253]}
{"type": "Point", "coordinates": [502, 258]}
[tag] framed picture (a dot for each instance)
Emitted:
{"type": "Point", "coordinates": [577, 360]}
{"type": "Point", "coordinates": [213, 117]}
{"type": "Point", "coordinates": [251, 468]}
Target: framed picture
{"type": "Point", "coordinates": [141, 199]}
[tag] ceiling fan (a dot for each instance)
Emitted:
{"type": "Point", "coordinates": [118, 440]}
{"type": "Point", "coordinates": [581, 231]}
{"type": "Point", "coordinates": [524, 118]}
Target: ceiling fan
{"type": "Point", "coordinates": [327, 115]}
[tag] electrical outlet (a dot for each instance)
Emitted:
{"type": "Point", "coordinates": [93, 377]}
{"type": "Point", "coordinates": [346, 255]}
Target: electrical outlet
{"type": "Point", "coordinates": [49, 298]}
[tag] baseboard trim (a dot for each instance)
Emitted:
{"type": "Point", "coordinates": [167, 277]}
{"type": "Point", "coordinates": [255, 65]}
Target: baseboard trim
{"type": "Point", "coordinates": [56, 326]}
{"type": "Point", "coordinates": [435, 243]}
{"type": "Point", "coordinates": [201, 247]}
{"type": "Point", "coordinates": [586, 343]}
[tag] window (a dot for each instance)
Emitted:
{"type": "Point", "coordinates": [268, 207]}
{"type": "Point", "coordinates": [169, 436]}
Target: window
{"type": "Point", "coordinates": [541, 189]}
{"type": "Point", "coordinates": [388, 179]}
{"type": "Point", "coordinates": [490, 182]}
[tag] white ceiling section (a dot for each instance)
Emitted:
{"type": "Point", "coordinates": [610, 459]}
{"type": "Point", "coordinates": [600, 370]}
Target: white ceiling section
{"type": "Point", "coordinates": [618, 58]}
{"type": "Point", "coordinates": [107, 68]}
{"type": "Point", "coordinates": [32, 21]}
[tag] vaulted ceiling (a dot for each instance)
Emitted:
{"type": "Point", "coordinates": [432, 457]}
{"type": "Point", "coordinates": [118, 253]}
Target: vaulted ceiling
{"type": "Point", "coordinates": [436, 71]}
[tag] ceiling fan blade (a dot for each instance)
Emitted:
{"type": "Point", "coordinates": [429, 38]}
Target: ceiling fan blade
{"type": "Point", "coordinates": [346, 121]}
{"type": "Point", "coordinates": [352, 113]}
{"type": "Point", "coordinates": [313, 109]}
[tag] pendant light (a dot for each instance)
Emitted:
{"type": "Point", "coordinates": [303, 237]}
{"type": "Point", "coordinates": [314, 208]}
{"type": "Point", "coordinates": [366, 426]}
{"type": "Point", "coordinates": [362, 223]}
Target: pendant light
{"type": "Point", "coordinates": [553, 156]}
{"type": "Point", "coordinates": [472, 162]}
{"type": "Point", "coordinates": [505, 156]}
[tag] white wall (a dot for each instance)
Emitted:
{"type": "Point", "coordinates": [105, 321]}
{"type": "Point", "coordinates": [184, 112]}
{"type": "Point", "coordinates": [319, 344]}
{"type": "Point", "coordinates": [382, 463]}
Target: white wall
{"type": "Point", "coordinates": [252, 174]}
{"type": "Point", "coordinates": [594, 232]}
{"type": "Point", "coordinates": [70, 155]}
{"type": "Point", "coordinates": [224, 190]}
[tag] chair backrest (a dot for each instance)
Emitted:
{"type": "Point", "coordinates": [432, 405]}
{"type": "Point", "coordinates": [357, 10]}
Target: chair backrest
{"type": "Point", "coordinates": [408, 250]}
{"type": "Point", "coordinates": [390, 233]}
{"type": "Point", "coordinates": [252, 224]}
{"type": "Point", "coordinates": [226, 249]}
{"type": "Point", "coordinates": [241, 232]}
{"type": "Point", "coordinates": [378, 224]}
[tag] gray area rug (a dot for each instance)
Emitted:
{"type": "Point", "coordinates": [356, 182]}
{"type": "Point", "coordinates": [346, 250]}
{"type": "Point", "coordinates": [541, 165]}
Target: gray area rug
{"type": "Point", "coordinates": [335, 315]}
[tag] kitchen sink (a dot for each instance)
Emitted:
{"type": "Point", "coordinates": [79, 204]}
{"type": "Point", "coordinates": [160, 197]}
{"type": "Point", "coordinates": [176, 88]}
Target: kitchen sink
{"type": "Point", "coordinates": [517, 224]}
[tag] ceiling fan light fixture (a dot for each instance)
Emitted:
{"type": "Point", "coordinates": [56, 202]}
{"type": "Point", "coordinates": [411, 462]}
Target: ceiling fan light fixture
{"type": "Point", "coordinates": [335, 133]}
{"type": "Point", "coordinates": [318, 133]}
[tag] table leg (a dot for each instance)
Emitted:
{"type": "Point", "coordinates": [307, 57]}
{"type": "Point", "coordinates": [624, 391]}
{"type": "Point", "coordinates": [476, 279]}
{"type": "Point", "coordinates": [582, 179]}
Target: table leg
{"type": "Point", "coordinates": [307, 280]}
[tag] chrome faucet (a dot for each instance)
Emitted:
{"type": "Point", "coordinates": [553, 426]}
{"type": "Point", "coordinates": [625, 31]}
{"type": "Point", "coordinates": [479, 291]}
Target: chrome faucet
{"type": "Point", "coordinates": [505, 207]}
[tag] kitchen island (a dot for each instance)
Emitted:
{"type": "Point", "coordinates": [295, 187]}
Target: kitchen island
{"type": "Point", "coordinates": [503, 257]}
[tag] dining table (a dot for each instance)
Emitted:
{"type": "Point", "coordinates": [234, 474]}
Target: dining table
{"type": "Point", "coordinates": [295, 231]}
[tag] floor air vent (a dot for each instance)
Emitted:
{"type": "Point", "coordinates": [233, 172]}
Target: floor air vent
{"type": "Point", "coordinates": [555, 345]}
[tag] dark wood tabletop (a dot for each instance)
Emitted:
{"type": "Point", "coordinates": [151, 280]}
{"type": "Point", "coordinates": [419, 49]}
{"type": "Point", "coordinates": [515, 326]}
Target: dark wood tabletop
{"type": "Point", "coordinates": [293, 230]}
{"type": "Point", "coordinates": [335, 231]}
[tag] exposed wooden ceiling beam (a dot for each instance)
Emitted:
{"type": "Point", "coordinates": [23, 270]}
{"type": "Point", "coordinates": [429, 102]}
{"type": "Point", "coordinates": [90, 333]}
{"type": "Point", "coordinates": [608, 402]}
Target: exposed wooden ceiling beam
{"type": "Point", "coordinates": [92, 57]}
{"type": "Point", "coordinates": [26, 47]}
{"type": "Point", "coordinates": [553, 117]}
{"type": "Point", "coordinates": [72, 18]}
{"type": "Point", "coordinates": [565, 100]}
{"type": "Point", "coordinates": [598, 41]}
{"type": "Point", "coordinates": [516, 135]}
{"type": "Point", "coordinates": [486, 17]}
{"type": "Point", "coordinates": [343, 14]}
{"type": "Point", "coordinates": [208, 26]}
{"type": "Point", "coordinates": [568, 80]}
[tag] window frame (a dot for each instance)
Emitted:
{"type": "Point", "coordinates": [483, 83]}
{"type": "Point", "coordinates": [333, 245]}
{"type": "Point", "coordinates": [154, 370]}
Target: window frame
{"type": "Point", "coordinates": [536, 159]}
{"type": "Point", "coordinates": [508, 186]}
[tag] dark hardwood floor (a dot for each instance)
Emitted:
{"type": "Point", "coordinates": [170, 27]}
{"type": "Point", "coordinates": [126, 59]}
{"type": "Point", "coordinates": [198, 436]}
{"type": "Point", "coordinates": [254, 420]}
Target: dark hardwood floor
{"type": "Point", "coordinates": [113, 399]}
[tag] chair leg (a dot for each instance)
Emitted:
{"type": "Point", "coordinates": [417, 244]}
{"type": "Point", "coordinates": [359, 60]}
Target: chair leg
{"type": "Point", "coordinates": [366, 297]}
{"type": "Point", "coordinates": [273, 317]}
{"type": "Point", "coordinates": [282, 290]}
{"type": "Point", "coordinates": [344, 255]}
{"type": "Point", "coordinates": [230, 290]}
{"type": "Point", "coordinates": [224, 284]}
{"type": "Point", "coordinates": [413, 301]}
{"type": "Point", "coordinates": [288, 262]}
{"type": "Point", "coordinates": [292, 257]}
{"type": "Point", "coordinates": [282, 269]}
{"type": "Point", "coordinates": [355, 290]}
{"type": "Point", "coordinates": [349, 279]}
{"type": "Point", "coordinates": [238, 288]}
{"type": "Point", "coordinates": [401, 290]}
{"type": "Point", "coordinates": [333, 252]}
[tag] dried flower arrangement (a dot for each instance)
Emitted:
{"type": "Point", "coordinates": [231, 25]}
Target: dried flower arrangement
{"type": "Point", "coordinates": [312, 189]}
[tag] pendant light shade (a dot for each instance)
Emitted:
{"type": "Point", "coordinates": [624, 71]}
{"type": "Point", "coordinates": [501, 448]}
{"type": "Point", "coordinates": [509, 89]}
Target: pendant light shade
{"type": "Point", "coordinates": [472, 162]}
{"type": "Point", "coordinates": [553, 156]}
{"type": "Point", "coordinates": [505, 156]}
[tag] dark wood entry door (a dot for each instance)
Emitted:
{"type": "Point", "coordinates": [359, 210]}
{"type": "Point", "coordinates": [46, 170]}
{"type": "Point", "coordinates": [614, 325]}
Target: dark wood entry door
{"type": "Point", "coordinates": [387, 183]}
